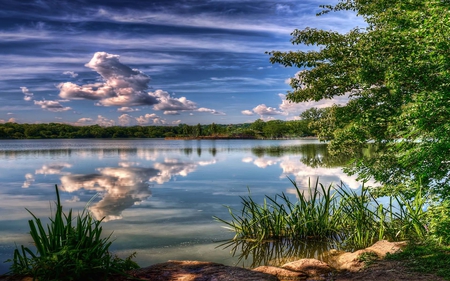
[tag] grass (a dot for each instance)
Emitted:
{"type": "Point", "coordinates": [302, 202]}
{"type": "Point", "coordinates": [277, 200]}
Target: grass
{"type": "Point", "coordinates": [368, 258]}
{"type": "Point", "coordinates": [68, 248]}
{"type": "Point", "coordinates": [355, 219]}
{"type": "Point", "coordinates": [426, 258]}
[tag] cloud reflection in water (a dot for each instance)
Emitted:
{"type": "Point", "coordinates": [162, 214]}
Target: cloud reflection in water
{"type": "Point", "coordinates": [120, 188]}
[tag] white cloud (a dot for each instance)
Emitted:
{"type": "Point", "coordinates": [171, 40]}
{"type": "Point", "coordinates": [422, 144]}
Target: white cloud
{"type": "Point", "coordinates": [247, 112]}
{"type": "Point", "coordinates": [168, 103]}
{"type": "Point", "coordinates": [101, 121]}
{"type": "Point", "coordinates": [283, 8]}
{"type": "Point", "coordinates": [104, 122]}
{"type": "Point", "coordinates": [10, 120]}
{"type": "Point", "coordinates": [212, 111]}
{"type": "Point", "coordinates": [28, 95]}
{"type": "Point", "coordinates": [266, 112]}
{"type": "Point", "coordinates": [127, 120]}
{"type": "Point", "coordinates": [53, 106]}
{"type": "Point", "coordinates": [263, 110]}
{"type": "Point", "coordinates": [127, 109]}
{"type": "Point", "coordinates": [171, 112]}
{"type": "Point", "coordinates": [290, 108]}
{"type": "Point", "coordinates": [84, 121]}
{"type": "Point", "coordinates": [71, 74]}
{"type": "Point", "coordinates": [147, 118]}
{"type": "Point", "coordinates": [122, 85]}
{"type": "Point", "coordinates": [210, 20]}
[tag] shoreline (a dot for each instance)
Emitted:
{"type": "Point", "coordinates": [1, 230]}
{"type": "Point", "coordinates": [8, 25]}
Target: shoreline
{"type": "Point", "coordinates": [236, 138]}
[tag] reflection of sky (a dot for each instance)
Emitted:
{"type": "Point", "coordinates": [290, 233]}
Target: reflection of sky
{"type": "Point", "coordinates": [155, 195]}
{"type": "Point", "coordinates": [303, 174]}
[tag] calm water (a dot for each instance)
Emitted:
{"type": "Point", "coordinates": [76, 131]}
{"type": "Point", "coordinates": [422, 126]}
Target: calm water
{"type": "Point", "coordinates": [157, 196]}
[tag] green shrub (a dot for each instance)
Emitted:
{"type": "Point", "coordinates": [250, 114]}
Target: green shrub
{"type": "Point", "coordinates": [439, 226]}
{"type": "Point", "coordinates": [68, 249]}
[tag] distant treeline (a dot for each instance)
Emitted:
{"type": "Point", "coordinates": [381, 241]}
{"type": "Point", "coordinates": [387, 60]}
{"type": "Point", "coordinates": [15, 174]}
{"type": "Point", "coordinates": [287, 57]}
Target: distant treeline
{"type": "Point", "coordinates": [258, 129]}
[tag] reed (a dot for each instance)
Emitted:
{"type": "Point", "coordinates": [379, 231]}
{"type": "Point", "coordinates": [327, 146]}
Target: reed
{"type": "Point", "coordinates": [355, 219]}
{"type": "Point", "coordinates": [68, 248]}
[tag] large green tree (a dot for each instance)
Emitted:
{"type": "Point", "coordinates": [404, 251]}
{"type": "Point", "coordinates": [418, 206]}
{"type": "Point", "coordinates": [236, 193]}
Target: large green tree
{"type": "Point", "coordinates": [396, 73]}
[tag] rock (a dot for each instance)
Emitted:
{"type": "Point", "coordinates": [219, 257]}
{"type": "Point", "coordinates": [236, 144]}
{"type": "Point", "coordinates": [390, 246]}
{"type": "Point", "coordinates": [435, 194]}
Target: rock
{"type": "Point", "coordinates": [312, 267]}
{"type": "Point", "coordinates": [352, 262]}
{"type": "Point", "coordinates": [198, 271]}
{"type": "Point", "coordinates": [283, 274]}
{"type": "Point", "coordinates": [383, 247]}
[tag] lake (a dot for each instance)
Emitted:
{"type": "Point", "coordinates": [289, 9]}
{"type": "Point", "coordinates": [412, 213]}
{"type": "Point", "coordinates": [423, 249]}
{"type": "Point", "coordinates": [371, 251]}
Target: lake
{"type": "Point", "coordinates": [157, 196]}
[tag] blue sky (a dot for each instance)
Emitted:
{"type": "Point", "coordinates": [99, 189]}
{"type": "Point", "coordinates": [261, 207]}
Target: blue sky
{"type": "Point", "coordinates": [160, 62]}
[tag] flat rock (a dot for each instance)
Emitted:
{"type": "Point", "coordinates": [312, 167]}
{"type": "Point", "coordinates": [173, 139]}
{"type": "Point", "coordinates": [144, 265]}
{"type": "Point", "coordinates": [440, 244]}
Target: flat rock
{"type": "Point", "coordinates": [312, 267]}
{"type": "Point", "coordinates": [384, 247]}
{"type": "Point", "coordinates": [283, 274]}
{"type": "Point", "coordinates": [198, 271]}
{"type": "Point", "coordinates": [352, 262]}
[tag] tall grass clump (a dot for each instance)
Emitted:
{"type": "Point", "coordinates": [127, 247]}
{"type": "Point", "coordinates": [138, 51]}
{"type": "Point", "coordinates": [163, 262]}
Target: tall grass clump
{"type": "Point", "coordinates": [68, 248]}
{"type": "Point", "coordinates": [355, 219]}
{"type": "Point", "coordinates": [312, 216]}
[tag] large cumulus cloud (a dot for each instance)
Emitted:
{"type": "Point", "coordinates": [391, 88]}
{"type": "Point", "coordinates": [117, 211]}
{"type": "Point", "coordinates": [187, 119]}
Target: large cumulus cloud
{"type": "Point", "coordinates": [121, 85]}
{"type": "Point", "coordinates": [125, 88]}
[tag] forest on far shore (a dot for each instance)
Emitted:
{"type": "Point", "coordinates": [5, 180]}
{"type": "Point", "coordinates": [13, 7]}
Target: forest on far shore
{"type": "Point", "coordinates": [259, 129]}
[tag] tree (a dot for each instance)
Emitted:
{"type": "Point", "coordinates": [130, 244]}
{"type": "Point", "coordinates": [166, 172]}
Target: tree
{"type": "Point", "coordinates": [274, 129]}
{"type": "Point", "coordinates": [213, 129]}
{"type": "Point", "coordinates": [198, 130]}
{"type": "Point", "coordinates": [320, 121]}
{"type": "Point", "coordinates": [396, 73]}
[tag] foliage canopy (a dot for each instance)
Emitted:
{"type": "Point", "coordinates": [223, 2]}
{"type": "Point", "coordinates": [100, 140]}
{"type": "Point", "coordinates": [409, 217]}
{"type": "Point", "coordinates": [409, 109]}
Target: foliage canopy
{"type": "Point", "coordinates": [396, 73]}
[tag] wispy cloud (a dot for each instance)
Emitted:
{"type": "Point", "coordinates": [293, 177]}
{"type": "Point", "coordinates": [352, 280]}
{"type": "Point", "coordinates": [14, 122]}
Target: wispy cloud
{"type": "Point", "coordinates": [50, 105]}
{"type": "Point", "coordinates": [28, 96]}
{"type": "Point", "coordinates": [71, 74]}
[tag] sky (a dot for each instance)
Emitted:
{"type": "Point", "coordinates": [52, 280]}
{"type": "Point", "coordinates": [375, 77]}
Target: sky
{"type": "Point", "coordinates": [153, 62]}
